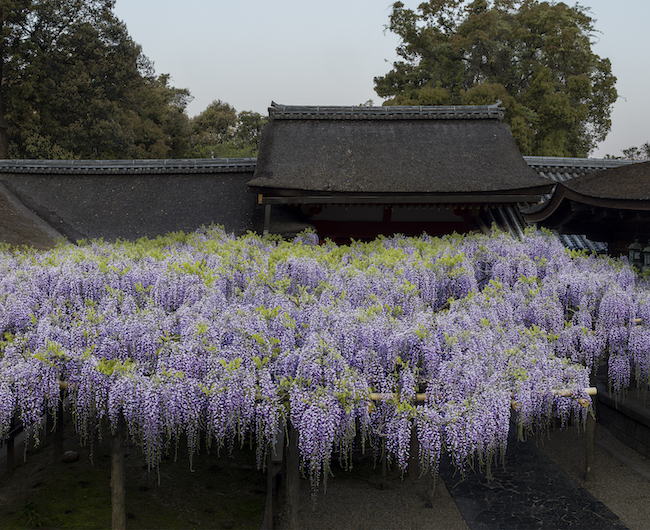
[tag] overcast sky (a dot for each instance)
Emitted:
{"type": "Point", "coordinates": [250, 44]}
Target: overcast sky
{"type": "Point", "coordinates": [301, 52]}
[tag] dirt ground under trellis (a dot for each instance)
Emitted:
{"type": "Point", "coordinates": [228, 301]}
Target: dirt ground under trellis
{"type": "Point", "coordinates": [226, 491]}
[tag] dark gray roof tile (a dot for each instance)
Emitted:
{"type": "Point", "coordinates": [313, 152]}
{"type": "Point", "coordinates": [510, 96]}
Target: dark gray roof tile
{"type": "Point", "coordinates": [389, 112]}
{"type": "Point", "coordinates": [129, 167]}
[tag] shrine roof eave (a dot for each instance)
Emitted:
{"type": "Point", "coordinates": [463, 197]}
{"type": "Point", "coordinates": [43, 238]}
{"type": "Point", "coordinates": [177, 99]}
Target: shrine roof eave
{"type": "Point", "coordinates": [284, 196]}
{"type": "Point", "coordinates": [566, 200]}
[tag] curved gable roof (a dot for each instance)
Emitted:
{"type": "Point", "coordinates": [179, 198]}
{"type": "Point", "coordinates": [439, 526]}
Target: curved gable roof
{"type": "Point", "coordinates": [432, 150]}
{"type": "Point", "coordinates": [624, 183]}
{"type": "Point", "coordinates": [605, 205]}
{"type": "Point", "coordinates": [624, 187]}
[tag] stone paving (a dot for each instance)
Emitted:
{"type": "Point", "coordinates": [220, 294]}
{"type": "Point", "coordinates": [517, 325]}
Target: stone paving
{"type": "Point", "coordinates": [529, 492]}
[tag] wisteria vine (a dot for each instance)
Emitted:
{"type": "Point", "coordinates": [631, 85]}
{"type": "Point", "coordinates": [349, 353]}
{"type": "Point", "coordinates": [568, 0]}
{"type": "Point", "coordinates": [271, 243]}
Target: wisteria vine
{"type": "Point", "coordinates": [206, 336]}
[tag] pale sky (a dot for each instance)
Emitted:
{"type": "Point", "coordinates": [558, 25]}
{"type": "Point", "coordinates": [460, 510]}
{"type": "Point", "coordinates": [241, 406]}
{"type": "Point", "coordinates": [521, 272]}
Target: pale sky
{"type": "Point", "coordinates": [300, 52]}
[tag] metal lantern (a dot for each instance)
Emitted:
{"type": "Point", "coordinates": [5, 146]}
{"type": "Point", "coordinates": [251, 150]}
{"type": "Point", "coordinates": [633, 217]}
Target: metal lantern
{"type": "Point", "coordinates": [646, 258]}
{"type": "Point", "coordinates": [635, 250]}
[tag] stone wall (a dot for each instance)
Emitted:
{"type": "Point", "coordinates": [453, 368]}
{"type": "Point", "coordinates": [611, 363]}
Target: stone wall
{"type": "Point", "coordinates": [628, 419]}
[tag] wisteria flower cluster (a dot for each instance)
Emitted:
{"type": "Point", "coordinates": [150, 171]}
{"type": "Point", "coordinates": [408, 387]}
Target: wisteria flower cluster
{"type": "Point", "coordinates": [209, 338]}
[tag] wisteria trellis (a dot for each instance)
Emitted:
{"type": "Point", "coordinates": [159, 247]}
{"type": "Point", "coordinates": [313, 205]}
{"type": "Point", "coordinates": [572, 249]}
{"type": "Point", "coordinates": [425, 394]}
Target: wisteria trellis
{"type": "Point", "coordinates": [211, 337]}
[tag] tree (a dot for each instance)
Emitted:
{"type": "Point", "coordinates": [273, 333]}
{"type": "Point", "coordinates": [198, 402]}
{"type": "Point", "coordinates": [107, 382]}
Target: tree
{"type": "Point", "coordinates": [220, 132]}
{"type": "Point", "coordinates": [637, 153]}
{"type": "Point", "coordinates": [74, 84]}
{"type": "Point", "coordinates": [534, 57]}
{"type": "Point", "coordinates": [249, 129]}
{"type": "Point", "coordinates": [215, 124]}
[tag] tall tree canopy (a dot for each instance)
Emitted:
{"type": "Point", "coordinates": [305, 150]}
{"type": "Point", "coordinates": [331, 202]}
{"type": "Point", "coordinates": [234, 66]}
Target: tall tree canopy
{"type": "Point", "coordinates": [535, 57]}
{"type": "Point", "coordinates": [219, 131]}
{"type": "Point", "coordinates": [75, 85]}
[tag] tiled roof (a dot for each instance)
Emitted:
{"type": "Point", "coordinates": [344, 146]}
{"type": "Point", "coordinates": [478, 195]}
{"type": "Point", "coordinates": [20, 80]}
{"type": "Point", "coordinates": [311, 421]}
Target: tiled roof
{"type": "Point", "coordinates": [507, 218]}
{"type": "Point", "coordinates": [130, 167]}
{"type": "Point", "coordinates": [580, 165]}
{"type": "Point", "coordinates": [562, 170]}
{"type": "Point", "coordinates": [446, 112]}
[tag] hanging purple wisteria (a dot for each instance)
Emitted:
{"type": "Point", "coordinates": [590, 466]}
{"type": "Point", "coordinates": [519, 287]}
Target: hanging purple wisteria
{"type": "Point", "coordinates": [211, 337]}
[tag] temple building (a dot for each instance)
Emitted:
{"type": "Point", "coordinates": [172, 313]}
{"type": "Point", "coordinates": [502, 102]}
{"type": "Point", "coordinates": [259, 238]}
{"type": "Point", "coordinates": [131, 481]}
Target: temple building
{"type": "Point", "coordinates": [357, 172]}
{"type": "Point", "coordinates": [612, 206]}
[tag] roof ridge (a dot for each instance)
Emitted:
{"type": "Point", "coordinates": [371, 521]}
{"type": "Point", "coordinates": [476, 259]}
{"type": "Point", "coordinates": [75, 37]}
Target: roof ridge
{"type": "Point", "coordinates": [142, 166]}
{"type": "Point", "coordinates": [557, 161]}
{"type": "Point", "coordinates": [387, 112]}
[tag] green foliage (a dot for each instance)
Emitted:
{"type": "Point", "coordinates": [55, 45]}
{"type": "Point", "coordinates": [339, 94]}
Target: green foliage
{"type": "Point", "coordinates": [115, 365]}
{"type": "Point", "coordinates": [52, 351]}
{"type": "Point", "coordinates": [75, 85]}
{"type": "Point", "coordinates": [533, 56]}
{"type": "Point", "coordinates": [635, 153]}
{"type": "Point", "coordinates": [220, 132]}
{"type": "Point", "coordinates": [31, 515]}
{"type": "Point", "coordinates": [214, 124]}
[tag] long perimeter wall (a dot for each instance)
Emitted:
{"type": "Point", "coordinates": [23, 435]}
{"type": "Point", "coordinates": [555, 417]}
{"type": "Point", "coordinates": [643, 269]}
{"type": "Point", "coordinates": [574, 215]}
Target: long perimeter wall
{"type": "Point", "coordinates": [43, 200]}
{"type": "Point", "coordinates": [125, 199]}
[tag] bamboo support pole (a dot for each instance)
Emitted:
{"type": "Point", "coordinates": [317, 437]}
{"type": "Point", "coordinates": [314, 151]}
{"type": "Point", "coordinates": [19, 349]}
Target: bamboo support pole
{"type": "Point", "coordinates": [378, 396]}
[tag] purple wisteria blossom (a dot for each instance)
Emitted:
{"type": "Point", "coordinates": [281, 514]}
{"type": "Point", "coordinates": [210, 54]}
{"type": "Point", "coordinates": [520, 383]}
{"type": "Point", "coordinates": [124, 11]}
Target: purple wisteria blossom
{"type": "Point", "coordinates": [207, 337]}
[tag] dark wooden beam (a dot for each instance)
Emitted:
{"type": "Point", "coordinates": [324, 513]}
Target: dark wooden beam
{"type": "Point", "coordinates": [399, 199]}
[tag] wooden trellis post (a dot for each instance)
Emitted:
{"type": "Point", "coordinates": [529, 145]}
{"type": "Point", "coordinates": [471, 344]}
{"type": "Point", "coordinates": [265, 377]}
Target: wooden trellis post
{"type": "Point", "coordinates": [275, 465]}
{"type": "Point", "coordinates": [118, 486]}
{"type": "Point", "coordinates": [414, 456]}
{"type": "Point", "coordinates": [590, 454]}
{"type": "Point", "coordinates": [11, 444]}
{"type": "Point", "coordinates": [58, 427]}
{"type": "Point", "coordinates": [292, 479]}
{"type": "Point", "coordinates": [590, 434]}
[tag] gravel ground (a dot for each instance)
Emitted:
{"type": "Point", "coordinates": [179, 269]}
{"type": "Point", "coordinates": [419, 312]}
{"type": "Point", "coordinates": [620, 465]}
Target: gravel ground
{"type": "Point", "coordinates": [362, 504]}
